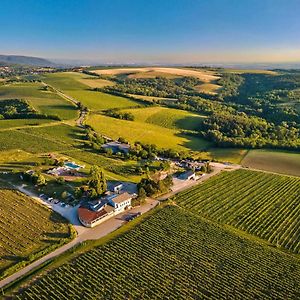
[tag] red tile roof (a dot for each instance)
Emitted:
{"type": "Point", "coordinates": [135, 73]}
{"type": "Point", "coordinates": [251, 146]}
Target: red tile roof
{"type": "Point", "coordinates": [88, 216]}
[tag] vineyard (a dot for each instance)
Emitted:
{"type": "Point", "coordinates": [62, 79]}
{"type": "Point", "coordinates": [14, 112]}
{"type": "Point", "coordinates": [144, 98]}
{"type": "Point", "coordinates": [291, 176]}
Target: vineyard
{"type": "Point", "coordinates": [26, 228]}
{"type": "Point", "coordinates": [172, 255]}
{"type": "Point", "coordinates": [262, 204]}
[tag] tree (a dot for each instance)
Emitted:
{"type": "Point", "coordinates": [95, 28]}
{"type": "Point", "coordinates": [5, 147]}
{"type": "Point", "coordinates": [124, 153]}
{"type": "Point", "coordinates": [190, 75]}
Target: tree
{"type": "Point", "coordinates": [40, 180]}
{"type": "Point", "coordinates": [97, 180]}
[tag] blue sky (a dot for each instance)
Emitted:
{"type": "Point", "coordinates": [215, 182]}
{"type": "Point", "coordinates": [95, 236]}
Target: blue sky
{"type": "Point", "coordinates": [172, 31]}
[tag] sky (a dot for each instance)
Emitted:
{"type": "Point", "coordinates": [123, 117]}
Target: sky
{"type": "Point", "coordinates": [153, 31]}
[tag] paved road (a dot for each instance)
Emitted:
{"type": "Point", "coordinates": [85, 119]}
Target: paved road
{"type": "Point", "coordinates": [83, 235]}
{"type": "Point", "coordinates": [181, 185]}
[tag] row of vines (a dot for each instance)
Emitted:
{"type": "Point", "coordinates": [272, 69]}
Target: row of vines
{"type": "Point", "coordinates": [262, 204]}
{"type": "Point", "coordinates": [173, 255]}
{"type": "Point", "coordinates": [26, 228]}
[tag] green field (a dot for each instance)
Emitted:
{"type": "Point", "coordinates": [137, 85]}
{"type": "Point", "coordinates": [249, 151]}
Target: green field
{"type": "Point", "coordinates": [45, 102]}
{"type": "Point", "coordinates": [11, 123]}
{"type": "Point", "coordinates": [146, 132]}
{"type": "Point", "coordinates": [273, 161]}
{"type": "Point", "coordinates": [167, 117]}
{"type": "Point", "coordinates": [27, 228]}
{"type": "Point", "coordinates": [262, 204]}
{"type": "Point", "coordinates": [185, 258]}
{"type": "Point", "coordinates": [30, 141]}
{"type": "Point", "coordinates": [231, 155]}
{"type": "Point", "coordinates": [71, 84]}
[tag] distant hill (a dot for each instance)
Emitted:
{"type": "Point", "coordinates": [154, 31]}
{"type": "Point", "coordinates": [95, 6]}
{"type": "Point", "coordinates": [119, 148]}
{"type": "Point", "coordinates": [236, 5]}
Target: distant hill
{"type": "Point", "coordinates": [25, 60]}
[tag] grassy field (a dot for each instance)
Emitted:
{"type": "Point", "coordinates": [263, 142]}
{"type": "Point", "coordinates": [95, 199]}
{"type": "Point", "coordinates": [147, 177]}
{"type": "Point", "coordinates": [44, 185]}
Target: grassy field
{"type": "Point", "coordinates": [203, 75]}
{"type": "Point", "coordinates": [167, 117]}
{"type": "Point", "coordinates": [186, 258]}
{"type": "Point", "coordinates": [71, 83]}
{"type": "Point", "coordinates": [27, 228]}
{"type": "Point", "coordinates": [6, 124]}
{"type": "Point", "coordinates": [231, 155]}
{"type": "Point", "coordinates": [40, 139]}
{"type": "Point", "coordinates": [262, 204]}
{"type": "Point", "coordinates": [208, 88]}
{"type": "Point", "coordinates": [147, 133]}
{"type": "Point", "coordinates": [45, 102]}
{"type": "Point", "coordinates": [114, 169]}
{"type": "Point", "coordinates": [273, 161]}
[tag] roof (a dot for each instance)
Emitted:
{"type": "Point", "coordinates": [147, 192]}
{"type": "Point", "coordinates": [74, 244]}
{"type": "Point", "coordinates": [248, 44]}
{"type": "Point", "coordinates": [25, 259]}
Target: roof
{"type": "Point", "coordinates": [121, 197]}
{"type": "Point", "coordinates": [88, 216]}
{"type": "Point", "coordinates": [115, 184]}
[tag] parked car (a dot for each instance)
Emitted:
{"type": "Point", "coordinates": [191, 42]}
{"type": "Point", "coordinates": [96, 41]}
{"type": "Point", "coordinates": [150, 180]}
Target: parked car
{"type": "Point", "coordinates": [56, 201]}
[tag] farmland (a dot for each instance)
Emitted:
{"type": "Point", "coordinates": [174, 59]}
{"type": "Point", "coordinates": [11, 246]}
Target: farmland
{"type": "Point", "coordinates": [265, 205]}
{"type": "Point", "coordinates": [146, 133]}
{"type": "Point", "coordinates": [45, 102]}
{"type": "Point", "coordinates": [26, 229]}
{"type": "Point", "coordinates": [186, 258]}
{"type": "Point", "coordinates": [203, 75]}
{"type": "Point", "coordinates": [72, 85]}
{"type": "Point", "coordinates": [167, 117]}
{"type": "Point", "coordinates": [273, 161]}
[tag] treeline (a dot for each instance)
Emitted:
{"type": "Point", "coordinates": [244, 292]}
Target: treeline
{"type": "Point", "coordinates": [115, 113]}
{"type": "Point", "coordinates": [240, 130]}
{"type": "Point", "coordinates": [155, 87]}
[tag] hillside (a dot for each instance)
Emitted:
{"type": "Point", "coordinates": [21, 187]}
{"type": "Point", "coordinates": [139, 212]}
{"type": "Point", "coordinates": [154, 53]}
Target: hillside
{"type": "Point", "coordinates": [25, 60]}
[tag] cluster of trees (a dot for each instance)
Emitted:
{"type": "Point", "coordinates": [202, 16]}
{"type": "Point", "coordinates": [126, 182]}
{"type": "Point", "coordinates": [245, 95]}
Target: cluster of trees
{"type": "Point", "coordinates": [241, 130]}
{"type": "Point", "coordinates": [149, 187]}
{"type": "Point", "coordinates": [156, 87]}
{"type": "Point", "coordinates": [21, 109]}
{"type": "Point", "coordinates": [35, 178]}
{"type": "Point", "coordinates": [95, 186]}
{"type": "Point", "coordinates": [114, 113]}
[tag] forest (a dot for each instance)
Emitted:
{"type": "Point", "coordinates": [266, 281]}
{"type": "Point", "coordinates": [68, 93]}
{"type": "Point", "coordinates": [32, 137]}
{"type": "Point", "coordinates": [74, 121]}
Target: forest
{"type": "Point", "coordinates": [251, 110]}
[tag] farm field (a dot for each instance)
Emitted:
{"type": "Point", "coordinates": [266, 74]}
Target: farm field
{"type": "Point", "coordinates": [231, 155]}
{"type": "Point", "coordinates": [71, 84]}
{"type": "Point", "coordinates": [186, 258]}
{"type": "Point", "coordinates": [6, 124]}
{"type": "Point", "coordinates": [262, 204]}
{"type": "Point", "coordinates": [167, 117]}
{"type": "Point", "coordinates": [273, 161]}
{"type": "Point", "coordinates": [146, 133]}
{"type": "Point", "coordinates": [27, 228]}
{"type": "Point", "coordinates": [21, 140]}
{"type": "Point", "coordinates": [203, 75]}
{"type": "Point", "coordinates": [45, 102]}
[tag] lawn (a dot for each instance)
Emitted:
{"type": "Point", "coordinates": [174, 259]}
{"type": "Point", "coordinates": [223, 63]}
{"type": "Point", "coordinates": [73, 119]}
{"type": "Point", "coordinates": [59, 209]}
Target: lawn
{"type": "Point", "coordinates": [27, 230]}
{"type": "Point", "coordinates": [45, 102]}
{"type": "Point", "coordinates": [185, 258]}
{"type": "Point", "coordinates": [71, 83]}
{"type": "Point", "coordinates": [147, 133]}
{"type": "Point", "coordinates": [262, 204]}
{"type": "Point", "coordinates": [273, 161]}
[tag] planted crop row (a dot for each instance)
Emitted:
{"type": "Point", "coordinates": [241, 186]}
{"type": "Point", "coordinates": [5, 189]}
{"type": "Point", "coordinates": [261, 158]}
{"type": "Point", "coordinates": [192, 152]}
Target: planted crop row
{"type": "Point", "coordinates": [266, 205]}
{"type": "Point", "coordinates": [173, 255]}
{"type": "Point", "coordinates": [26, 227]}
